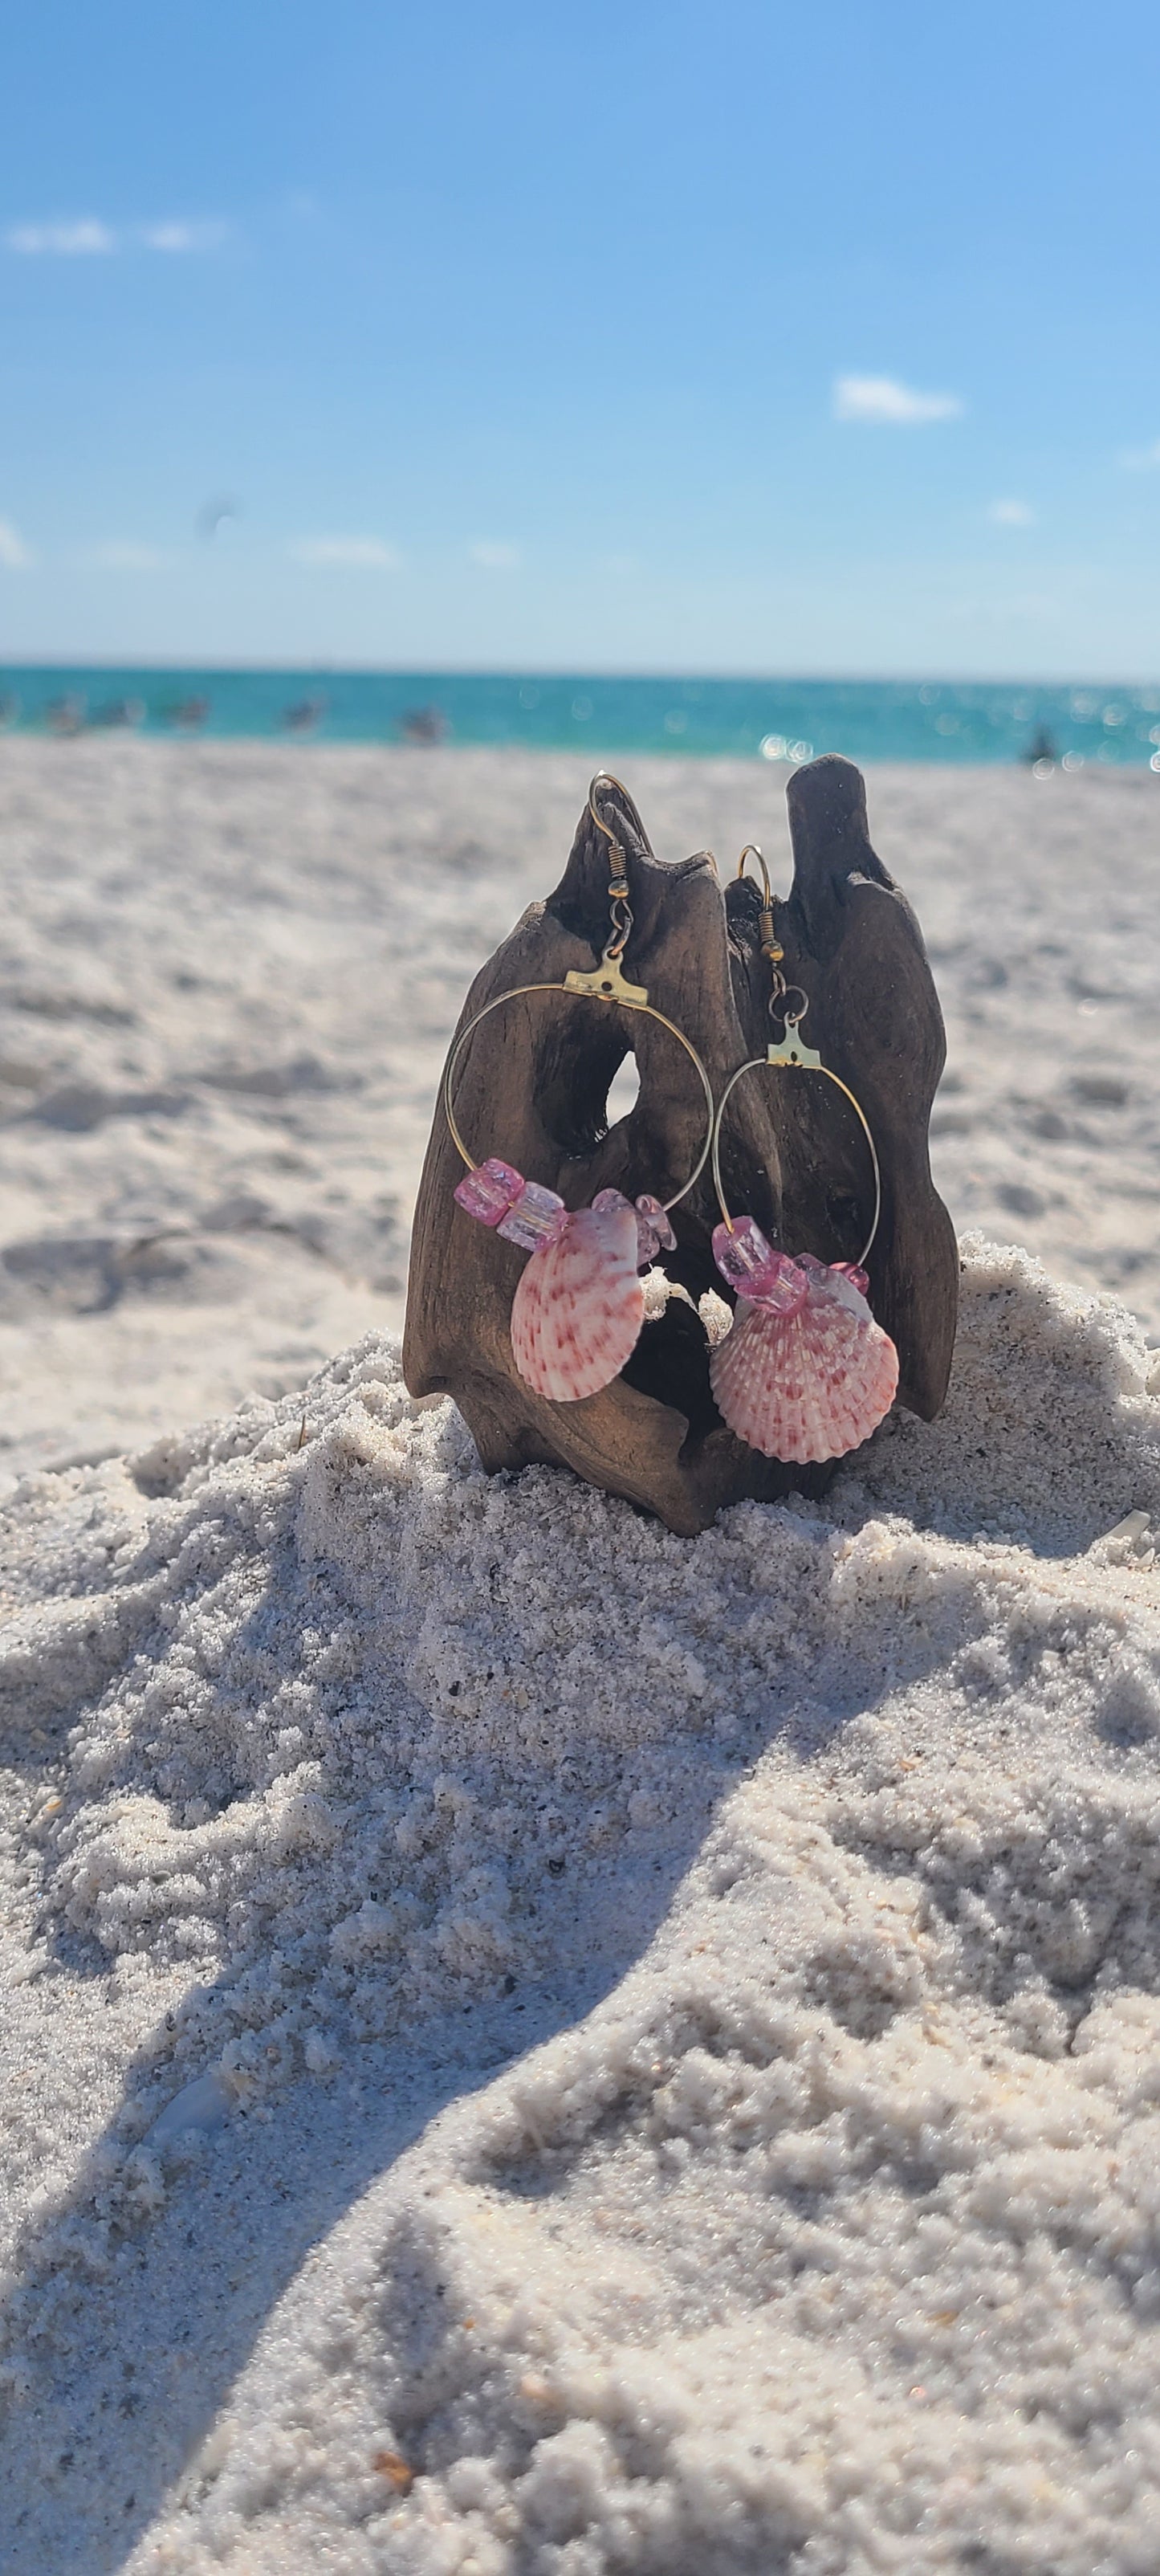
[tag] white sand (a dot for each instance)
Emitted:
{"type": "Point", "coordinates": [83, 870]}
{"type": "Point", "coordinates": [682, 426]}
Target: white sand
{"type": "Point", "coordinates": [660, 2036]}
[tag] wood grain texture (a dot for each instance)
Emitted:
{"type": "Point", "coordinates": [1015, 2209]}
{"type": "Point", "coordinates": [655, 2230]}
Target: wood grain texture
{"type": "Point", "coordinates": [533, 1084]}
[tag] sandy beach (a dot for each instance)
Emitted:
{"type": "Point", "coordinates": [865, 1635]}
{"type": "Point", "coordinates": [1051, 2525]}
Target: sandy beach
{"type": "Point", "coordinates": [531, 2046]}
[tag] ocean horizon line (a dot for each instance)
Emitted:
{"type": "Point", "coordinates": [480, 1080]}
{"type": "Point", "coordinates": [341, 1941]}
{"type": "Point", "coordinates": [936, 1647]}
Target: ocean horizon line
{"type": "Point", "coordinates": [699, 715]}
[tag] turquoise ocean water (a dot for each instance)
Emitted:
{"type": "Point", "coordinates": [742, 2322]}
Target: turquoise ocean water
{"type": "Point", "coordinates": [782, 719]}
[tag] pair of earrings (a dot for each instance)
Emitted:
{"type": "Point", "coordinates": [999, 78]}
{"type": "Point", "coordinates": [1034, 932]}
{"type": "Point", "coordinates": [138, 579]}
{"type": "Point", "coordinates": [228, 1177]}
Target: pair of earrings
{"type": "Point", "coordinates": [805, 1373]}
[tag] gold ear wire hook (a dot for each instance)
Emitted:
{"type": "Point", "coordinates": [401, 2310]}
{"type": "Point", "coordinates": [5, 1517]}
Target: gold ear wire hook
{"type": "Point", "coordinates": [621, 921]}
{"type": "Point", "coordinates": [618, 882]}
{"type": "Point", "coordinates": [770, 944]}
{"type": "Point", "coordinates": [604, 778]}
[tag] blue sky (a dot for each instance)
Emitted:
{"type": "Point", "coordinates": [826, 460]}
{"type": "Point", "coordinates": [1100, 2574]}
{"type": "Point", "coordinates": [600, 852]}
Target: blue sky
{"type": "Point", "coordinates": [743, 338]}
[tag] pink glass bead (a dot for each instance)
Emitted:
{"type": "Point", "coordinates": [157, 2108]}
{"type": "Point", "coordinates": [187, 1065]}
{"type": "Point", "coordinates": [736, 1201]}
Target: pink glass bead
{"type": "Point", "coordinates": [653, 1232]}
{"type": "Point", "coordinates": [489, 1192]}
{"type": "Point", "coordinates": [841, 1282]}
{"type": "Point", "coordinates": [537, 1217]}
{"type": "Point", "coordinates": [741, 1251]}
{"type": "Point", "coordinates": [749, 1263]}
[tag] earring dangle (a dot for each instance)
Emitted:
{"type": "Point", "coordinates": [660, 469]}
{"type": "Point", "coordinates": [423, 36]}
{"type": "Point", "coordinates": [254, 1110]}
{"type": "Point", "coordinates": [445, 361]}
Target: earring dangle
{"type": "Point", "coordinates": [805, 1373]}
{"type": "Point", "coordinates": [579, 1306]}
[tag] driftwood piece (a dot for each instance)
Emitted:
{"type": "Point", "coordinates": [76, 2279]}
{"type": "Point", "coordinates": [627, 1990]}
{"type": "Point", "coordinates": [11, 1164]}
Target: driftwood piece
{"type": "Point", "coordinates": [533, 1086]}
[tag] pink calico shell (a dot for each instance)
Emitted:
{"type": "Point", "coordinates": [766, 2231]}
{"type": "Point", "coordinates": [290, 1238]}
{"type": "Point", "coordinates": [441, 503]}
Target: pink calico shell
{"type": "Point", "coordinates": [812, 1384]}
{"type": "Point", "coordinates": [579, 1306]}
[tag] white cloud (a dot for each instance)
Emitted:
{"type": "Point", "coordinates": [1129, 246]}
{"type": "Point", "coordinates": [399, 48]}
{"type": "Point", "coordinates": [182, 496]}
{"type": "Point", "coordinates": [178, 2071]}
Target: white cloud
{"type": "Point", "coordinates": [89, 238]}
{"type": "Point", "coordinates": [14, 554]}
{"type": "Point", "coordinates": [493, 556]}
{"type": "Point", "coordinates": [1141, 460]}
{"type": "Point", "coordinates": [123, 554]}
{"type": "Point", "coordinates": [1010, 514]}
{"type": "Point", "coordinates": [367, 554]}
{"type": "Point", "coordinates": [181, 237]}
{"type": "Point", "coordinates": [82, 240]}
{"type": "Point", "coordinates": [882, 398]}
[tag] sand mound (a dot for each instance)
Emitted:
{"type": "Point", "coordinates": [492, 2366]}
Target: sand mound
{"type": "Point", "coordinates": [816, 1856]}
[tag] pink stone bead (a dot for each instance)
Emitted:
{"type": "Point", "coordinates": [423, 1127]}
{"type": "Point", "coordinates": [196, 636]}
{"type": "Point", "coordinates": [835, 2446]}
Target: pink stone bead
{"type": "Point", "coordinates": [489, 1192]}
{"type": "Point", "coordinates": [537, 1217]}
{"type": "Point", "coordinates": [749, 1263]}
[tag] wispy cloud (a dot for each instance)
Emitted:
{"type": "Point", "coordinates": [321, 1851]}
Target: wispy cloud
{"type": "Point", "coordinates": [14, 554]}
{"type": "Point", "coordinates": [1010, 514]}
{"type": "Point", "coordinates": [89, 238]}
{"type": "Point", "coordinates": [366, 554]}
{"type": "Point", "coordinates": [123, 554]}
{"type": "Point", "coordinates": [181, 237]}
{"type": "Point", "coordinates": [493, 555]}
{"type": "Point", "coordinates": [1141, 460]}
{"type": "Point", "coordinates": [882, 398]}
{"type": "Point", "coordinates": [84, 240]}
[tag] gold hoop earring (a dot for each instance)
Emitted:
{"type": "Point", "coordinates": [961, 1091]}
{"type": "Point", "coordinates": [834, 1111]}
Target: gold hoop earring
{"type": "Point", "coordinates": [579, 1306]}
{"type": "Point", "coordinates": [805, 1373]}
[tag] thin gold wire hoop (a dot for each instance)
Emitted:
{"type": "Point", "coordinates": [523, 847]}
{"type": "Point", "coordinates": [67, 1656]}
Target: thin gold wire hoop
{"type": "Point", "coordinates": [645, 1010]}
{"type": "Point", "coordinates": [760, 1064]}
{"type": "Point", "coordinates": [772, 948]}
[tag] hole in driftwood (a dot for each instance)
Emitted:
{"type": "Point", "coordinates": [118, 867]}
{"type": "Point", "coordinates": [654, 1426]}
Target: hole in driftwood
{"type": "Point", "coordinates": [623, 1090]}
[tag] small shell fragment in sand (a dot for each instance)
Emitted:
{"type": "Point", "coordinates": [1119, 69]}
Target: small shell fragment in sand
{"type": "Point", "coordinates": [395, 2470]}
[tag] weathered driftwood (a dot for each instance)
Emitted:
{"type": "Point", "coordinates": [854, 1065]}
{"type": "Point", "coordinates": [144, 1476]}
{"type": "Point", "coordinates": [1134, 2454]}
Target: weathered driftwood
{"type": "Point", "coordinates": [533, 1087]}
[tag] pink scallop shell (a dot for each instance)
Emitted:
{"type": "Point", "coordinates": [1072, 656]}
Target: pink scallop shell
{"type": "Point", "coordinates": [810, 1386]}
{"type": "Point", "coordinates": [579, 1307]}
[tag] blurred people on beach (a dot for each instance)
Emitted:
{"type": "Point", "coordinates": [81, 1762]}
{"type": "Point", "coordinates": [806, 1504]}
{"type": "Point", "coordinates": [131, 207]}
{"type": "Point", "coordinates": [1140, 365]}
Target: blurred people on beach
{"type": "Point", "coordinates": [186, 715]}
{"type": "Point", "coordinates": [304, 715]}
{"type": "Point", "coordinates": [423, 724]}
{"type": "Point", "coordinates": [65, 716]}
{"type": "Point", "coordinates": [119, 711]}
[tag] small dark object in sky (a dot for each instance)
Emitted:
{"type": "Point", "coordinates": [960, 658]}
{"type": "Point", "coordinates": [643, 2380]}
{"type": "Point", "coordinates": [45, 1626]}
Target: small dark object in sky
{"type": "Point", "coordinates": [212, 512]}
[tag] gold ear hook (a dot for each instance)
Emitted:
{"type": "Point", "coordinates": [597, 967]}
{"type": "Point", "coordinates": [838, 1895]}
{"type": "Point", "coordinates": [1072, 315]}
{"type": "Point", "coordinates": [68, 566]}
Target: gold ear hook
{"type": "Point", "coordinates": [770, 944]}
{"type": "Point", "coordinates": [618, 881]}
{"type": "Point", "coordinates": [609, 974]}
{"type": "Point", "coordinates": [603, 778]}
{"type": "Point", "coordinates": [752, 850]}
